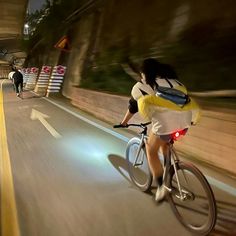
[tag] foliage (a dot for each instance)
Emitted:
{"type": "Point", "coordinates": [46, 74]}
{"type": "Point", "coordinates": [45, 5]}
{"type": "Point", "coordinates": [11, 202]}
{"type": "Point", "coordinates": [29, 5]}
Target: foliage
{"type": "Point", "coordinates": [48, 24]}
{"type": "Point", "coordinates": [109, 79]}
{"type": "Point", "coordinates": [202, 47]}
{"type": "Point", "coordinates": [204, 62]}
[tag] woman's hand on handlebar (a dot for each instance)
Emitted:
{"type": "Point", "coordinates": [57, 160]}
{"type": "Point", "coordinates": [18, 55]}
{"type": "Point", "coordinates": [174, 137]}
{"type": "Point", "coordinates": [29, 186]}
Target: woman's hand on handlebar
{"type": "Point", "coordinates": [121, 125]}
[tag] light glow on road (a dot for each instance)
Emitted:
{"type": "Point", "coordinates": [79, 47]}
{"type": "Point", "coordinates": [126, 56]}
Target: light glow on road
{"type": "Point", "coordinates": [211, 180]}
{"type": "Point", "coordinates": [93, 154]}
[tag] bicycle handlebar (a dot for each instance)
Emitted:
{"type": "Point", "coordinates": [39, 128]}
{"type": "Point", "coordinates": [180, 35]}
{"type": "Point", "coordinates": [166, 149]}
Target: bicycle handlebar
{"type": "Point", "coordinates": [120, 126]}
{"type": "Point", "coordinates": [141, 125]}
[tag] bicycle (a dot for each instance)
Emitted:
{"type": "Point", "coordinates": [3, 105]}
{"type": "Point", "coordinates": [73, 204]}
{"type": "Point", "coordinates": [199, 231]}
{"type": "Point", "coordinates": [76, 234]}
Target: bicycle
{"type": "Point", "coordinates": [177, 179]}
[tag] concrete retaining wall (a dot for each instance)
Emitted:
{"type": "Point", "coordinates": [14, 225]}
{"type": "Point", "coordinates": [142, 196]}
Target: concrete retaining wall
{"type": "Point", "coordinates": [213, 140]}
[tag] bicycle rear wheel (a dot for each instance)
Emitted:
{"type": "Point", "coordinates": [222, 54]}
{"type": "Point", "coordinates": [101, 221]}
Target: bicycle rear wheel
{"type": "Point", "coordinates": [139, 172]}
{"type": "Point", "coordinates": [197, 209]}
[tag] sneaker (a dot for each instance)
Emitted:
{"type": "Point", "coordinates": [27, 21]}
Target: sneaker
{"type": "Point", "coordinates": [17, 94]}
{"type": "Point", "coordinates": [160, 193]}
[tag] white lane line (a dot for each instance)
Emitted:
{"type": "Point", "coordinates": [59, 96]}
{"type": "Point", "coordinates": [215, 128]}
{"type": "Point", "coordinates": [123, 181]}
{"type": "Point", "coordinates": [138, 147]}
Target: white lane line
{"type": "Point", "coordinates": [117, 135]}
{"type": "Point", "coordinates": [227, 188]}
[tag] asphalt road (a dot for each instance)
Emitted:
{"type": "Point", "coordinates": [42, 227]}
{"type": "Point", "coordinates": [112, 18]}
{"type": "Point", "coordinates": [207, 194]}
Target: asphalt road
{"type": "Point", "coordinates": [70, 176]}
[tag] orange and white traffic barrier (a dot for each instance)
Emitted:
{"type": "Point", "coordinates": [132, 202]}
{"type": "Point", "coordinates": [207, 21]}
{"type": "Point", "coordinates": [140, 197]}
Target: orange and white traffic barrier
{"type": "Point", "coordinates": [56, 80]}
{"type": "Point", "coordinates": [43, 80]}
{"type": "Point", "coordinates": [31, 81]}
{"type": "Point", "coordinates": [26, 74]}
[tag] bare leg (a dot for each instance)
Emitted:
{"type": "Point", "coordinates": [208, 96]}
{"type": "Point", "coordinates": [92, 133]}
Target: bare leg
{"type": "Point", "coordinates": [152, 146]}
{"type": "Point", "coordinates": [164, 148]}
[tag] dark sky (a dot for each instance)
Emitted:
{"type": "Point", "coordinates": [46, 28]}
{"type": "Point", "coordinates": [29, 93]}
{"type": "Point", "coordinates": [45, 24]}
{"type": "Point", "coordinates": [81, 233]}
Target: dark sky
{"type": "Point", "coordinates": [35, 5]}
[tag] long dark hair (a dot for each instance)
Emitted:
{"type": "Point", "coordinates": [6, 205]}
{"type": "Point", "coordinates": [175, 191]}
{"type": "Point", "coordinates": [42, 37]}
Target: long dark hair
{"type": "Point", "coordinates": [167, 72]}
{"type": "Point", "coordinates": [150, 68]}
{"type": "Point", "coordinates": [153, 69]}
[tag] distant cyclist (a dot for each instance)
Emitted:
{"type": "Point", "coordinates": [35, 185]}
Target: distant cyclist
{"type": "Point", "coordinates": [161, 98]}
{"type": "Point", "coordinates": [17, 78]}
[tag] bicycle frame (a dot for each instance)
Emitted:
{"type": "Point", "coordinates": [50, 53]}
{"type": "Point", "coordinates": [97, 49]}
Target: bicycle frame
{"type": "Point", "coordinates": [172, 159]}
{"type": "Point", "coordinates": [144, 137]}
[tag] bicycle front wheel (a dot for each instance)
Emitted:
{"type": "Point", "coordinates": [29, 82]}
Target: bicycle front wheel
{"type": "Point", "coordinates": [195, 205]}
{"type": "Point", "coordinates": [138, 168]}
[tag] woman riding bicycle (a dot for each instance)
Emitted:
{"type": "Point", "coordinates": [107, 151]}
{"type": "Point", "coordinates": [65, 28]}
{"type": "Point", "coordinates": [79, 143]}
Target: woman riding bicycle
{"type": "Point", "coordinates": [160, 97]}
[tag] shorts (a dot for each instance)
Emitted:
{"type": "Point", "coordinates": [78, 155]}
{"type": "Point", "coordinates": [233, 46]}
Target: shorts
{"type": "Point", "coordinates": [165, 123]}
{"type": "Point", "coordinates": [165, 137]}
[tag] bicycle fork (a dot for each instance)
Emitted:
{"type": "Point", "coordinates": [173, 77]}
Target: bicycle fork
{"type": "Point", "coordinates": [136, 164]}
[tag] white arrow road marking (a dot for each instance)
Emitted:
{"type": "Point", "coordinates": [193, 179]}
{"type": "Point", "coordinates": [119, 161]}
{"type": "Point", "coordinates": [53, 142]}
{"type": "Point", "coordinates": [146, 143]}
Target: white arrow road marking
{"type": "Point", "coordinates": [36, 115]}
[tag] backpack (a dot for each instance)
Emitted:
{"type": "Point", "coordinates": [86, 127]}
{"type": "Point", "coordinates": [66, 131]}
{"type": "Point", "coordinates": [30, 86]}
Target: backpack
{"type": "Point", "coordinates": [176, 96]}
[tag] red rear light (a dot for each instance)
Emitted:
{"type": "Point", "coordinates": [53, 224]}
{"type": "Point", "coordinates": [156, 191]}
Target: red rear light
{"type": "Point", "coordinates": [177, 134]}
